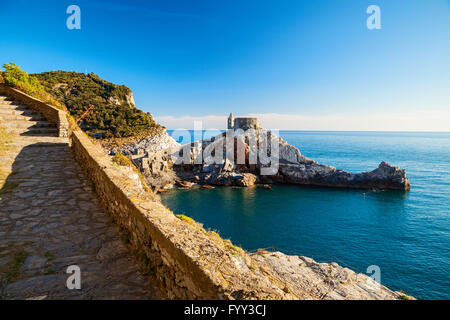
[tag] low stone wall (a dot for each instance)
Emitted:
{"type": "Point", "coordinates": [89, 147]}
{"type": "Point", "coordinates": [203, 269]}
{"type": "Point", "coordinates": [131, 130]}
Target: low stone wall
{"type": "Point", "coordinates": [189, 262]}
{"type": "Point", "coordinates": [51, 113]}
{"type": "Point", "coordinates": [192, 263]}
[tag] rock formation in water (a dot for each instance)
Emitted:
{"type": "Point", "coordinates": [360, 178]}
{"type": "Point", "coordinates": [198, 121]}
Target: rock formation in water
{"type": "Point", "coordinates": [155, 157]}
{"type": "Point", "coordinates": [292, 167]}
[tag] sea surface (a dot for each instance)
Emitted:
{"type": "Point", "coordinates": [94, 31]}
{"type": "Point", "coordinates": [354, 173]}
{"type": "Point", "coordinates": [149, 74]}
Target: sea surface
{"type": "Point", "coordinates": [406, 234]}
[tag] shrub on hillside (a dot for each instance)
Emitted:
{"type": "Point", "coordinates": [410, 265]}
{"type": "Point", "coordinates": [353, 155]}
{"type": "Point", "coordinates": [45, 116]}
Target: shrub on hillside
{"type": "Point", "coordinates": [15, 77]}
{"type": "Point", "coordinates": [114, 114]}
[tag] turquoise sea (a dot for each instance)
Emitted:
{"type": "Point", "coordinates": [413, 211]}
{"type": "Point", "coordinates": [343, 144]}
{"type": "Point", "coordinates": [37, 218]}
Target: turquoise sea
{"type": "Point", "coordinates": [407, 234]}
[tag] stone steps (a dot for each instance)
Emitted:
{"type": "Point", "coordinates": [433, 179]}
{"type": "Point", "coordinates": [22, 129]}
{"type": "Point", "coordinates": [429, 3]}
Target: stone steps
{"type": "Point", "coordinates": [11, 117]}
{"type": "Point", "coordinates": [25, 112]}
{"type": "Point", "coordinates": [8, 102]}
{"type": "Point", "coordinates": [12, 107]}
{"type": "Point", "coordinates": [21, 120]}
{"type": "Point", "coordinates": [24, 123]}
{"type": "Point", "coordinates": [34, 131]}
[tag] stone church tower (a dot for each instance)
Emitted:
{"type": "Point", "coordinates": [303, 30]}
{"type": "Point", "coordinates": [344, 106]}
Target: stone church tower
{"type": "Point", "coordinates": [231, 121]}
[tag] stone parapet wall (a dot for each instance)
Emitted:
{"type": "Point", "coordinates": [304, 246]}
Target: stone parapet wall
{"type": "Point", "coordinates": [49, 112]}
{"type": "Point", "coordinates": [189, 262]}
{"type": "Point", "coordinates": [192, 263]}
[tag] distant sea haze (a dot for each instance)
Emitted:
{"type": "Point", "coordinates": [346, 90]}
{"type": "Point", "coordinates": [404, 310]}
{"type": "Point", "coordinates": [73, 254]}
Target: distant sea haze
{"type": "Point", "coordinates": [407, 234]}
{"type": "Point", "coordinates": [412, 121]}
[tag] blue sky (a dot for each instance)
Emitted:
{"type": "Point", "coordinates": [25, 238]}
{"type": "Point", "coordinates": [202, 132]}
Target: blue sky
{"type": "Point", "coordinates": [295, 64]}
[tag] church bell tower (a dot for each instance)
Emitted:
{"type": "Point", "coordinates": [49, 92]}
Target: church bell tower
{"type": "Point", "coordinates": [231, 121]}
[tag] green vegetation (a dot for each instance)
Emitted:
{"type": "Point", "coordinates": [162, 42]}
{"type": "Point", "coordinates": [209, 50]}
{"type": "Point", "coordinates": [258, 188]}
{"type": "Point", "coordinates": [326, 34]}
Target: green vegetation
{"type": "Point", "coordinates": [50, 271]}
{"type": "Point", "coordinates": [406, 297]}
{"type": "Point", "coordinates": [5, 138]}
{"type": "Point", "coordinates": [186, 219]}
{"type": "Point", "coordinates": [114, 113]}
{"type": "Point", "coordinates": [147, 267]}
{"type": "Point", "coordinates": [16, 78]}
{"type": "Point", "coordinates": [213, 235]}
{"type": "Point", "coordinates": [120, 160]}
{"type": "Point", "coordinates": [49, 256]}
{"type": "Point", "coordinates": [14, 267]}
{"type": "Point", "coordinates": [49, 264]}
{"type": "Point", "coordinates": [236, 251]}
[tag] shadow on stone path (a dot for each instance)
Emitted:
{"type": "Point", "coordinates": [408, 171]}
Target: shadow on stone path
{"type": "Point", "coordinates": [50, 219]}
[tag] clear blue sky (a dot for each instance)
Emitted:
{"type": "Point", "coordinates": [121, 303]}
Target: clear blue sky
{"type": "Point", "coordinates": [313, 59]}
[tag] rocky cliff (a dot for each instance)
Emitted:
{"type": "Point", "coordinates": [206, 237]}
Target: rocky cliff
{"type": "Point", "coordinates": [291, 167]}
{"type": "Point", "coordinates": [155, 156]}
{"type": "Point", "coordinates": [306, 278]}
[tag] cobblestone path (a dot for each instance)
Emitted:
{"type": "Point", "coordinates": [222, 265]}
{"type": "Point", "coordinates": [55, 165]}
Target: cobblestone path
{"type": "Point", "coordinates": [50, 219]}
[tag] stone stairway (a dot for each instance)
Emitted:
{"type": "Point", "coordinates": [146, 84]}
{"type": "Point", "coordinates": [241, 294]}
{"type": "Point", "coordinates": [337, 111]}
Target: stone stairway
{"type": "Point", "coordinates": [51, 218]}
{"type": "Point", "coordinates": [22, 120]}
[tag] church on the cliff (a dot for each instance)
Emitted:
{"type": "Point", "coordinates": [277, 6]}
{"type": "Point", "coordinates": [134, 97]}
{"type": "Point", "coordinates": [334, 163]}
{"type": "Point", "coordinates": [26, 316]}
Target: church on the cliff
{"type": "Point", "coordinates": [242, 123]}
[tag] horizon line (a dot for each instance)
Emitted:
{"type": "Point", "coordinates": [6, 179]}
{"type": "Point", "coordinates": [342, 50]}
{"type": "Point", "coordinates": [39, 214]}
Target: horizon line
{"type": "Point", "coordinates": [372, 131]}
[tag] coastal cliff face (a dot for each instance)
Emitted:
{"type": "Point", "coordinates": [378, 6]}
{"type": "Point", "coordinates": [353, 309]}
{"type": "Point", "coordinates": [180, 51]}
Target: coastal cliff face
{"type": "Point", "coordinates": [152, 156]}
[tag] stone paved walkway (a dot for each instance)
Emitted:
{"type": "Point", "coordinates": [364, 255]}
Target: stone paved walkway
{"type": "Point", "coordinates": [50, 219]}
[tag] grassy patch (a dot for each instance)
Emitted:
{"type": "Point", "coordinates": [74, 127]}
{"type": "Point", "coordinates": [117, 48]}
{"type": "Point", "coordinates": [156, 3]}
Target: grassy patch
{"type": "Point", "coordinates": [50, 257]}
{"type": "Point", "coordinates": [50, 271]}
{"type": "Point", "coordinates": [235, 250]}
{"type": "Point", "coordinates": [14, 267]}
{"type": "Point", "coordinates": [186, 219]}
{"type": "Point", "coordinates": [16, 78]}
{"type": "Point", "coordinates": [406, 297]}
{"type": "Point", "coordinates": [120, 160]}
{"type": "Point", "coordinates": [147, 267]}
{"type": "Point", "coordinates": [214, 233]}
{"type": "Point", "coordinates": [5, 138]}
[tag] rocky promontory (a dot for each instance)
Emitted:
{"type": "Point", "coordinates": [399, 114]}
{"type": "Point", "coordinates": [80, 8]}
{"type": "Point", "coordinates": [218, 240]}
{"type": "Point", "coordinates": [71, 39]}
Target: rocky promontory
{"type": "Point", "coordinates": [155, 157]}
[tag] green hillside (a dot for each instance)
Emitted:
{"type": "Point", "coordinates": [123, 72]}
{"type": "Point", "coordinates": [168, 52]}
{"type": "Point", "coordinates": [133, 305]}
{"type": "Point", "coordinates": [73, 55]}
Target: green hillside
{"type": "Point", "coordinates": [114, 113]}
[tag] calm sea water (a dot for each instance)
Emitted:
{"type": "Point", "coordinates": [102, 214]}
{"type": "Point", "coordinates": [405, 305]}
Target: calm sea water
{"type": "Point", "coordinates": [407, 234]}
